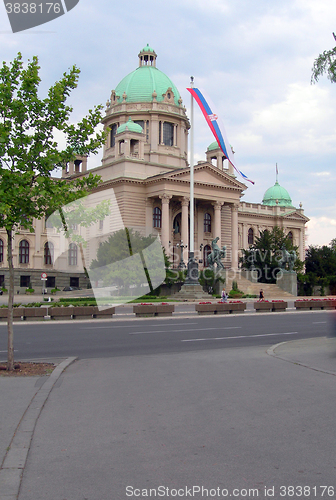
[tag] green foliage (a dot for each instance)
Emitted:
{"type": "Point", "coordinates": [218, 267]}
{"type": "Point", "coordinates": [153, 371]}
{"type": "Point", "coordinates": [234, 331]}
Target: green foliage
{"type": "Point", "coordinates": [234, 285]}
{"type": "Point", "coordinates": [325, 63]}
{"type": "Point", "coordinates": [28, 150]}
{"type": "Point", "coordinates": [320, 266]}
{"type": "Point", "coordinates": [119, 247]}
{"type": "Point", "coordinates": [268, 253]}
{"type": "Point", "coordinates": [235, 294]}
{"type": "Point", "coordinates": [210, 280]}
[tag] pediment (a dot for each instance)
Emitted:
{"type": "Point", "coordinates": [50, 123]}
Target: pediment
{"type": "Point", "coordinates": [295, 216]}
{"type": "Point", "coordinates": [204, 174]}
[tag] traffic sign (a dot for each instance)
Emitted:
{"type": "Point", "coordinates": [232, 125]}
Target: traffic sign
{"type": "Point", "coordinates": [43, 276]}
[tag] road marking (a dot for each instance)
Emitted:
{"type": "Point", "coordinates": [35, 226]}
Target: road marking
{"type": "Point", "coordinates": [318, 322]}
{"type": "Point", "coordinates": [239, 337]}
{"type": "Point", "coordinates": [186, 330]}
{"type": "Point", "coordinates": [134, 326]}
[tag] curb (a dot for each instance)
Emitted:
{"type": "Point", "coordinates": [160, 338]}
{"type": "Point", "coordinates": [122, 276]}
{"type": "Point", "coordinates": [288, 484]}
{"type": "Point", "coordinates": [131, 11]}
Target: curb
{"type": "Point", "coordinates": [271, 352]}
{"type": "Point", "coordinates": [13, 465]}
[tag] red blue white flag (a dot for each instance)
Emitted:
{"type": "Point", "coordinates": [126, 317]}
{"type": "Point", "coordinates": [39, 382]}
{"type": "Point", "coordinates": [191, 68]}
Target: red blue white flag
{"type": "Point", "coordinates": [218, 131]}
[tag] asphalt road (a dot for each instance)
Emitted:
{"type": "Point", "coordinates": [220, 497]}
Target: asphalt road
{"type": "Point", "coordinates": [101, 339]}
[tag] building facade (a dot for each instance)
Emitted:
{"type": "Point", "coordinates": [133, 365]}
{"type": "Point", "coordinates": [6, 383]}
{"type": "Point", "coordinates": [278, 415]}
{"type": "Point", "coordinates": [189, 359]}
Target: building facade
{"type": "Point", "coordinates": [145, 171]}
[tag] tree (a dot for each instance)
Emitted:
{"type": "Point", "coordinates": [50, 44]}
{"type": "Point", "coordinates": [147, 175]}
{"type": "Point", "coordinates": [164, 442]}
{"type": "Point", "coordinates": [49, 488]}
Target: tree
{"type": "Point", "coordinates": [266, 252]}
{"type": "Point", "coordinates": [325, 63]}
{"type": "Point", "coordinates": [29, 154]}
{"type": "Point", "coordinates": [128, 261]}
{"type": "Point", "coordinates": [320, 267]}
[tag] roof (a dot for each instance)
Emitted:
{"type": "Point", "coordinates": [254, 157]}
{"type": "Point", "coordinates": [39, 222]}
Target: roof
{"type": "Point", "coordinates": [140, 84]}
{"type": "Point", "coordinates": [131, 126]}
{"type": "Point", "coordinates": [276, 194]}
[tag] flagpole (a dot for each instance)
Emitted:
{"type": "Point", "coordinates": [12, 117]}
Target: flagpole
{"type": "Point", "coordinates": [191, 242]}
{"type": "Point", "coordinates": [192, 277]}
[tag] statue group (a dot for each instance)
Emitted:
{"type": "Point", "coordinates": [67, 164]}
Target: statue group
{"type": "Point", "coordinates": [287, 258]}
{"type": "Point", "coordinates": [216, 255]}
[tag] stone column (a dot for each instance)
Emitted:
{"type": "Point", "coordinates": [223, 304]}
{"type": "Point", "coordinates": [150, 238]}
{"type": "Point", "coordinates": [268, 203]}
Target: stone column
{"type": "Point", "coordinates": [185, 229]}
{"type": "Point", "coordinates": [217, 222]}
{"type": "Point", "coordinates": [165, 221]}
{"type": "Point", "coordinates": [302, 244]}
{"type": "Point", "coordinates": [149, 216]}
{"type": "Point", "coordinates": [234, 236]}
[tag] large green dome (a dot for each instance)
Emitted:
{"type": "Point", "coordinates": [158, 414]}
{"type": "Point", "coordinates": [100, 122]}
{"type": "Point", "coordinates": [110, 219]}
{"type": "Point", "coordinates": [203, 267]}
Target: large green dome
{"type": "Point", "coordinates": [140, 85]}
{"type": "Point", "coordinates": [277, 193]}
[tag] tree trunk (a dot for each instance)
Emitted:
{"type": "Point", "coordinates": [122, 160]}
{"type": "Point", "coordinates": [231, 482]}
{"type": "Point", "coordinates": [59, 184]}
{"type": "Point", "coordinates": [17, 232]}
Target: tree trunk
{"type": "Point", "coordinates": [10, 356]}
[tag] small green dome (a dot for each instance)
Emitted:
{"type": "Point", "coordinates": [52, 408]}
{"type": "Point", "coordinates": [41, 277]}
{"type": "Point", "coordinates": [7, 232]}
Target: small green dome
{"type": "Point", "coordinates": [140, 85]}
{"type": "Point", "coordinates": [131, 126]}
{"type": "Point", "coordinates": [213, 146]}
{"type": "Point", "coordinates": [275, 193]}
{"type": "Point", "coordinates": [147, 49]}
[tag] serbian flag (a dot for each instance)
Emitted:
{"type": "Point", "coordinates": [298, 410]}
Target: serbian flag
{"type": "Point", "coordinates": [218, 131]}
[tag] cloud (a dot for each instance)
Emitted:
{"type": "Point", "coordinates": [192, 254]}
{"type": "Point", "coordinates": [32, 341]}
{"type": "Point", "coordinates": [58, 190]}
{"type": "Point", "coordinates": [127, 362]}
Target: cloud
{"type": "Point", "coordinates": [321, 230]}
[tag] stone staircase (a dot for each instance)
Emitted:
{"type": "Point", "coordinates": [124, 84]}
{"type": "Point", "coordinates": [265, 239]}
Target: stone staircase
{"type": "Point", "coordinates": [246, 286]}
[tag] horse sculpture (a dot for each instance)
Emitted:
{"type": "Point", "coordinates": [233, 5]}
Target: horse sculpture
{"type": "Point", "coordinates": [216, 255]}
{"type": "Point", "coordinates": [287, 258]}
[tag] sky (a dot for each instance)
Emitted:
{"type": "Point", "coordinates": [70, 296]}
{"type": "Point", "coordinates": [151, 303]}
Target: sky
{"type": "Point", "coordinates": [254, 60]}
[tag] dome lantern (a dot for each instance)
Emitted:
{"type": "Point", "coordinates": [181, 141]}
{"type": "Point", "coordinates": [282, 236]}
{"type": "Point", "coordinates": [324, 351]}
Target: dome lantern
{"type": "Point", "coordinates": [147, 56]}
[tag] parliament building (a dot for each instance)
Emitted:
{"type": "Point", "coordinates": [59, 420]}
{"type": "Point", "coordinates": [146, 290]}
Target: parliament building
{"type": "Point", "coordinates": [145, 166]}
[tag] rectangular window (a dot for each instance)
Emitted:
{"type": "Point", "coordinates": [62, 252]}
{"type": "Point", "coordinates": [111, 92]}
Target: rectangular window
{"type": "Point", "coordinates": [168, 134]}
{"type": "Point", "coordinates": [2, 280]}
{"type": "Point", "coordinates": [51, 282]}
{"type": "Point", "coordinates": [74, 282]}
{"type": "Point", "coordinates": [101, 224]}
{"type": "Point", "coordinates": [24, 281]}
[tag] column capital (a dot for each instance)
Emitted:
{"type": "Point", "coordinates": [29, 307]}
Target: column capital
{"type": "Point", "coordinates": [165, 197]}
{"type": "Point", "coordinates": [217, 204]}
{"type": "Point", "coordinates": [185, 201]}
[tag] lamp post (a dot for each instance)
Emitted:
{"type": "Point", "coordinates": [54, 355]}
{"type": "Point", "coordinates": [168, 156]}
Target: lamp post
{"type": "Point", "coordinates": [181, 246]}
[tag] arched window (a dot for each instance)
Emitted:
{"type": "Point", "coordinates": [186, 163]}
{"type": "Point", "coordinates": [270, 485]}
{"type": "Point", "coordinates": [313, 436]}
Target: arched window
{"type": "Point", "coordinates": [290, 237]}
{"type": "Point", "coordinates": [48, 253]}
{"type": "Point", "coordinates": [207, 223]}
{"type": "Point", "coordinates": [72, 255]}
{"type": "Point", "coordinates": [206, 252]}
{"type": "Point", "coordinates": [250, 236]}
{"type": "Point", "coordinates": [1, 250]}
{"type": "Point", "coordinates": [23, 252]}
{"type": "Point", "coordinates": [157, 217]}
{"type": "Point", "coordinates": [177, 224]}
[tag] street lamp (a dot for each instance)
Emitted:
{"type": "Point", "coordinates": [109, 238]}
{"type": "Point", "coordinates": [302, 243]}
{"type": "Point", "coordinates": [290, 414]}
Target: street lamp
{"type": "Point", "coordinates": [181, 246]}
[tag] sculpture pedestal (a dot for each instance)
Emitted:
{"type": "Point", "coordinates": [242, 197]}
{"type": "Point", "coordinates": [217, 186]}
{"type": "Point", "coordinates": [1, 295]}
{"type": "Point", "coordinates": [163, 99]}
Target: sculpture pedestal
{"type": "Point", "coordinates": [287, 281]}
{"type": "Point", "coordinates": [219, 285]}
